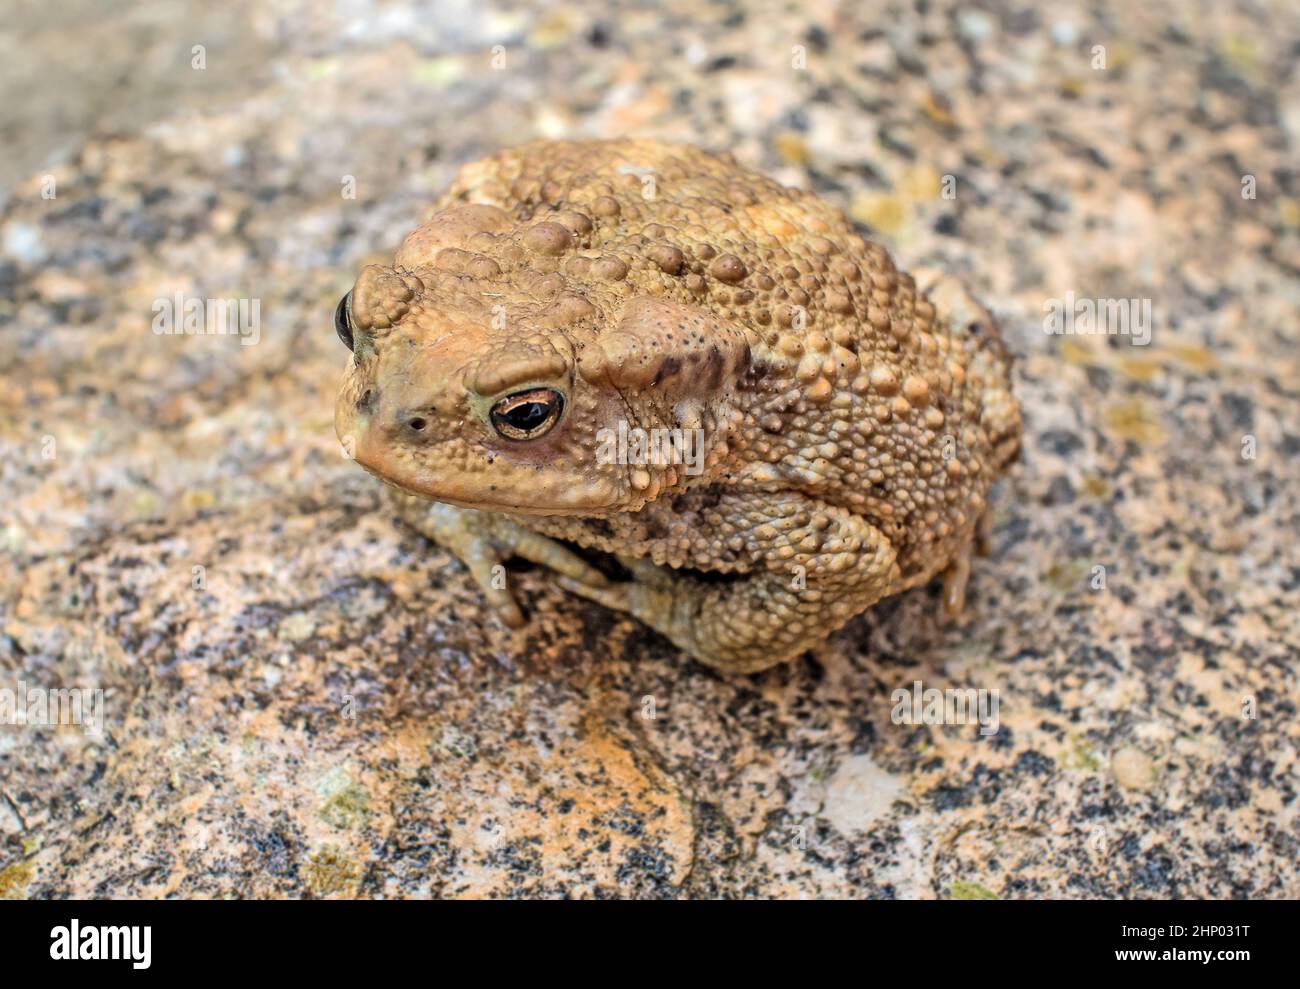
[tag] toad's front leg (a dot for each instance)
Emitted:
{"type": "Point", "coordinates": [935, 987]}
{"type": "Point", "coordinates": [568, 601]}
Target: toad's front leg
{"type": "Point", "coordinates": [813, 567]}
{"type": "Point", "coordinates": [484, 540]}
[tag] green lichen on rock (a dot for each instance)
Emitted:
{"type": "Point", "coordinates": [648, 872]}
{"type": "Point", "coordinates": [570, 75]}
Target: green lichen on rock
{"type": "Point", "coordinates": [329, 872]}
{"type": "Point", "coordinates": [346, 809]}
{"type": "Point", "coordinates": [1080, 756]}
{"type": "Point", "coordinates": [347, 804]}
{"type": "Point", "coordinates": [14, 879]}
{"type": "Point", "coordinates": [962, 889]}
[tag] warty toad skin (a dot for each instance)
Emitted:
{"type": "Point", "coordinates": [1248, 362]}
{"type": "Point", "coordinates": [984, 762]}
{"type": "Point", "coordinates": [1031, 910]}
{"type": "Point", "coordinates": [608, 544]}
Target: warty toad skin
{"type": "Point", "coordinates": [850, 417]}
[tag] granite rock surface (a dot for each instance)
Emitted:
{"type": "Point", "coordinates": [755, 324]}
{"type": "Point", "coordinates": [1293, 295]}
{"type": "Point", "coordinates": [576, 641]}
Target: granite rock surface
{"type": "Point", "coordinates": [303, 698]}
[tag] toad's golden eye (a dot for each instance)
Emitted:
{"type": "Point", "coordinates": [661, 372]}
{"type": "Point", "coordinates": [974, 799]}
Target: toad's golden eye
{"type": "Point", "coordinates": [527, 414]}
{"type": "Point", "coordinates": [343, 320]}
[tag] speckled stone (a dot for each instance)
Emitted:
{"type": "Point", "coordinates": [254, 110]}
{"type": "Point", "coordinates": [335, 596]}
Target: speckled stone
{"type": "Point", "coordinates": [331, 714]}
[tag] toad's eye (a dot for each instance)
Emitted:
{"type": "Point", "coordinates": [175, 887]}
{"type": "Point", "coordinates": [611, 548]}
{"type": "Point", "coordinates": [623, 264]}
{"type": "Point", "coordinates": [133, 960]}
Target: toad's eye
{"type": "Point", "coordinates": [528, 414]}
{"type": "Point", "coordinates": [343, 320]}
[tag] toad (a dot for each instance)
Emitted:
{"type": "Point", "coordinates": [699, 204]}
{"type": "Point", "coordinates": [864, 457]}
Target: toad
{"type": "Point", "coordinates": [647, 350]}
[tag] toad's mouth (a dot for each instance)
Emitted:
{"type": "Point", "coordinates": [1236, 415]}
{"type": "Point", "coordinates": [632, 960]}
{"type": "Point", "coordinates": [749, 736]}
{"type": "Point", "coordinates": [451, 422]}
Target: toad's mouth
{"type": "Point", "coordinates": [496, 486]}
{"type": "Point", "coordinates": [509, 507]}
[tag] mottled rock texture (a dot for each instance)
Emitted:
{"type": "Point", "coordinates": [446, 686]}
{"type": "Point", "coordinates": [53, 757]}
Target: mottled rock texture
{"type": "Point", "coordinates": [325, 710]}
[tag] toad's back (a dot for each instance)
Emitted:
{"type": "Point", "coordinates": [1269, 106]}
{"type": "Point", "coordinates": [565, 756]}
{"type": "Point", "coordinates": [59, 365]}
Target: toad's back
{"type": "Point", "coordinates": [862, 390]}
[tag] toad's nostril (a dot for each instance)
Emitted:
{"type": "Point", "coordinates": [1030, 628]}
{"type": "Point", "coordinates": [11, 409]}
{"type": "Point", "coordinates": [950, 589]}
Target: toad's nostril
{"type": "Point", "coordinates": [416, 423]}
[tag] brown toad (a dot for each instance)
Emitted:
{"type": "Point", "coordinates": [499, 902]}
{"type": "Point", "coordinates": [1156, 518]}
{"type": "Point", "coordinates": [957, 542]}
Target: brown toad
{"type": "Point", "coordinates": [647, 350]}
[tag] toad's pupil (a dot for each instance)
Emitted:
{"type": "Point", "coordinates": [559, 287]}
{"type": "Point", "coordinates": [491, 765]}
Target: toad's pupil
{"type": "Point", "coordinates": [528, 416]}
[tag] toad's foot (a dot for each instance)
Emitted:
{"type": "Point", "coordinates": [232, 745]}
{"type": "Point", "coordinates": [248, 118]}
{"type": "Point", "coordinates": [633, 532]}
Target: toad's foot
{"type": "Point", "coordinates": [483, 541]}
{"type": "Point", "coordinates": [955, 579]}
{"type": "Point", "coordinates": [954, 303]}
{"type": "Point", "coordinates": [814, 567]}
{"type": "Point", "coordinates": [957, 575]}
